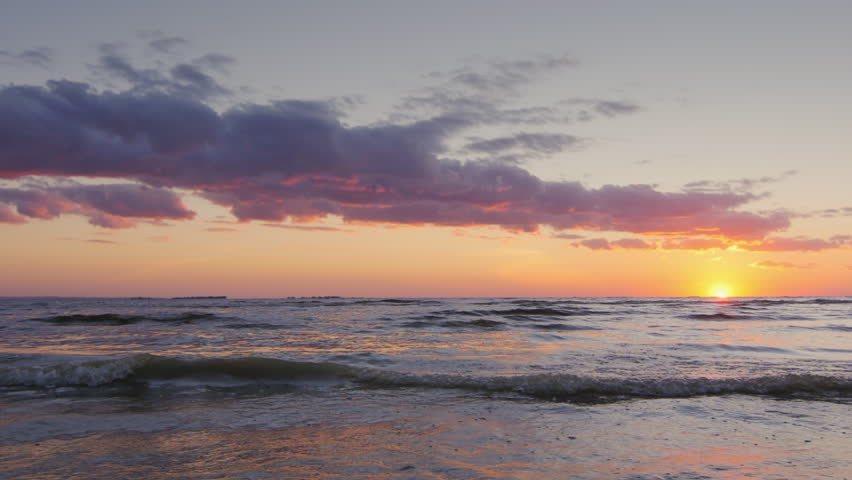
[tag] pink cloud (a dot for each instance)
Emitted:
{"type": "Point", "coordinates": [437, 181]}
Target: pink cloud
{"type": "Point", "coordinates": [108, 206]}
{"type": "Point", "coordinates": [8, 216]}
{"type": "Point", "coordinates": [633, 244]}
{"type": "Point", "coordinates": [770, 264]}
{"type": "Point", "coordinates": [624, 244]}
{"type": "Point", "coordinates": [297, 161]}
{"type": "Point", "coordinates": [694, 244]}
{"type": "Point", "coordinates": [799, 244]}
{"type": "Point", "coordinates": [308, 228]}
{"type": "Point", "coordinates": [567, 236]}
{"type": "Point", "coordinates": [594, 244]}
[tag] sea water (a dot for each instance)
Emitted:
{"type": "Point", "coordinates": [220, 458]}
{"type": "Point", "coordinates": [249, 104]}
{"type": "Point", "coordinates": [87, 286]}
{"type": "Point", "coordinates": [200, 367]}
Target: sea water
{"type": "Point", "coordinates": [485, 388]}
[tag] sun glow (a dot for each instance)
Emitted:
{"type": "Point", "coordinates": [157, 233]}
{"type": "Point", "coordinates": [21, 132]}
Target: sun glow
{"type": "Point", "coordinates": [720, 291]}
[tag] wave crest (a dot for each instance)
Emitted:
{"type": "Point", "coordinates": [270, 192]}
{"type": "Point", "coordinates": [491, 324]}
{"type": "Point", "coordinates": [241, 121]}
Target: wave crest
{"type": "Point", "coordinates": [121, 319]}
{"type": "Point", "coordinates": [547, 386]}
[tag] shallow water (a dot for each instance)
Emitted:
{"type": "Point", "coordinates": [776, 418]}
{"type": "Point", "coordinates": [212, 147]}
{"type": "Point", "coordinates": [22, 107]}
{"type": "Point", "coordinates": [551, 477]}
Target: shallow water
{"type": "Point", "coordinates": [426, 388]}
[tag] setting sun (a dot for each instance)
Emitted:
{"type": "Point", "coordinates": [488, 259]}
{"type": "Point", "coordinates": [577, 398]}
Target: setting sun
{"type": "Point", "coordinates": [720, 292]}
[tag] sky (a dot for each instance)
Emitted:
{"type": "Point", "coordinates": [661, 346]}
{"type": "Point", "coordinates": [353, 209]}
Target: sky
{"type": "Point", "coordinates": [416, 149]}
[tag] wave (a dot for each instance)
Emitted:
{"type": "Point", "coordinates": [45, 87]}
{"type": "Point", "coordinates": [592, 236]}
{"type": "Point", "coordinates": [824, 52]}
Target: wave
{"type": "Point", "coordinates": [122, 319]}
{"type": "Point", "coordinates": [711, 347]}
{"type": "Point", "coordinates": [790, 300]}
{"type": "Point", "coordinates": [522, 312]}
{"type": "Point", "coordinates": [395, 301]}
{"type": "Point", "coordinates": [835, 327]}
{"type": "Point", "coordinates": [478, 323]}
{"type": "Point", "coordinates": [429, 321]}
{"type": "Point", "coordinates": [547, 386]}
{"type": "Point", "coordinates": [568, 387]}
{"type": "Point", "coordinates": [143, 367]}
{"type": "Point", "coordinates": [719, 316]}
{"type": "Point", "coordinates": [763, 317]}
{"type": "Point", "coordinates": [560, 326]}
{"type": "Point", "coordinates": [830, 301]}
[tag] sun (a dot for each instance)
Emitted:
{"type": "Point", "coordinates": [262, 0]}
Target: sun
{"type": "Point", "coordinates": [720, 291]}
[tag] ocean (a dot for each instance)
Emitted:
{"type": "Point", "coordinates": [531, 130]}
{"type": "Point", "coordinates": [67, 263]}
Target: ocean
{"type": "Point", "coordinates": [481, 388]}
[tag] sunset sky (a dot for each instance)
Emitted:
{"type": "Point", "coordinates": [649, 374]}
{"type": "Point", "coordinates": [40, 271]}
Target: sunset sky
{"type": "Point", "coordinates": [396, 148]}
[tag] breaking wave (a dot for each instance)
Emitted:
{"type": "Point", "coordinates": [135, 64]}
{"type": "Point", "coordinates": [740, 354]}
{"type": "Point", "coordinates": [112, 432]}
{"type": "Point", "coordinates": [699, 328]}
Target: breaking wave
{"type": "Point", "coordinates": [121, 319]}
{"type": "Point", "coordinates": [547, 386]}
{"type": "Point", "coordinates": [718, 316]}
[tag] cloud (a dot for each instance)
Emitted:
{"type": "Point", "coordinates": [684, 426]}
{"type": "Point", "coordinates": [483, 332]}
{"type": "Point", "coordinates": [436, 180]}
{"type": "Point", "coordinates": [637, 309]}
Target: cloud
{"type": "Point", "coordinates": [567, 236]}
{"type": "Point", "coordinates": [159, 238]}
{"type": "Point", "coordinates": [221, 230]}
{"type": "Point", "coordinates": [772, 244]}
{"type": "Point", "coordinates": [546, 143]}
{"type": "Point", "coordinates": [215, 61]}
{"type": "Point", "coordinates": [770, 264]}
{"type": "Point", "coordinates": [39, 57]}
{"type": "Point", "coordinates": [297, 161]}
{"type": "Point", "coordinates": [167, 44]}
{"type": "Point", "coordinates": [828, 213]}
{"type": "Point", "coordinates": [633, 244]}
{"type": "Point", "coordinates": [624, 244]}
{"type": "Point", "coordinates": [182, 80]}
{"type": "Point", "coordinates": [594, 244]}
{"type": "Point", "coordinates": [741, 185]}
{"type": "Point", "coordinates": [102, 241]}
{"type": "Point", "coordinates": [694, 244]}
{"type": "Point", "coordinates": [464, 233]}
{"type": "Point", "coordinates": [109, 206]}
{"type": "Point", "coordinates": [797, 244]}
{"type": "Point", "coordinates": [503, 77]}
{"type": "Point", "coordinates": [308, 228]}
{"type": "Point", "coordinates": [585, 109]}
{"type": "Point", "coordinates": [485, 90]}
{"type": "Point", "coordinates": [8, 216]}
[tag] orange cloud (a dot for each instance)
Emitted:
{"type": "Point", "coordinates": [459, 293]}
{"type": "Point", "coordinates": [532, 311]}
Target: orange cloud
{"type": "Point", "coordinates": [770, 264]}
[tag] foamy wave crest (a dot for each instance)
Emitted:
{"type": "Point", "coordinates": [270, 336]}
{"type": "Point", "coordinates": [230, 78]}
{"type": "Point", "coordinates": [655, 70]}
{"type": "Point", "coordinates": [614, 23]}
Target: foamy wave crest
{"type": "Point", "coordinates": [121, 319]}
{"type": "Point", "coordinates": [90, 373]}
{"type": "Point", "coordinates": [145, 367]}
{"type": "Point", "coordinates": [566, 387]}
{"type": "Point", "coordinates": [550, 386]}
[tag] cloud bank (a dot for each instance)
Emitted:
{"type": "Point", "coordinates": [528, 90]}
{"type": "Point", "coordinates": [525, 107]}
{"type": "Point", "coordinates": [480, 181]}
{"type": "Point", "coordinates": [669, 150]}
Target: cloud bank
{"type": "Point", "coordinates": [297, 161]}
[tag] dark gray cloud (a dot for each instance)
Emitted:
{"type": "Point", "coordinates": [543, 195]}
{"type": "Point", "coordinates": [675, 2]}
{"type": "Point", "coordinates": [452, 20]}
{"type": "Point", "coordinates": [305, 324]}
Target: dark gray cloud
{"type": "Point", "coordinates": [568, 236]}
{"type": "Point", "coordinates": [546, 143]}
{"type": "Point", "coordinates": [827, 213]}
{"type": "Point", "coordinates": [624, 243]}
{"type": "Point", "coordinates": [296, 160]}
{"type": "Point", "coordinates": [187, 80]}
{"type": "Point", "coordinates": [740, 185]}
{"type": "Point", "coordinates": [502, 77]}
{"type": "Point", "coordinates": [587, 108]}
{"type": "Point", "coordinates": [486, 90]}
{"type": "Point", "coordinates": [215, 61]}
{"type": "Point", "coordinates": [109, 206]}
{"type": "Point", "coordinates": [39, 57]}
{"type": "Point", "coordinates": [167, 44]}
